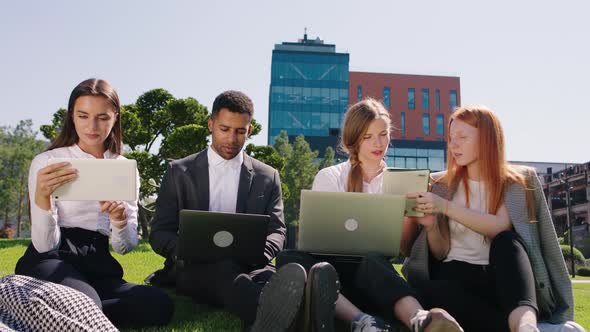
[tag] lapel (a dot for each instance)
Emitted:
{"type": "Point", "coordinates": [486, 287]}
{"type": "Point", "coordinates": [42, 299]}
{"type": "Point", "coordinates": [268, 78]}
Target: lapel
{"type": "Point", "coordinates": [200, 174]}
{"type": "Point", "coordinates": [246, 175]}
{"type": "Point", "coordinates": [515, 203]}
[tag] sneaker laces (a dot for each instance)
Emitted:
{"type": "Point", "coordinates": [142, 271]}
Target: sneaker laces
{"type": "Point", "coordinates": [368, 323]}
{"type": "Point", "coordinates": [418, 319]}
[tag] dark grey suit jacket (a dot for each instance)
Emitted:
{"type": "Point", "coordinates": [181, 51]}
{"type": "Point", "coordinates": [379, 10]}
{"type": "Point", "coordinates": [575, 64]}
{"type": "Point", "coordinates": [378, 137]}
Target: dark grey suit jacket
{"type": "Point", "coordinates": [185, 185]}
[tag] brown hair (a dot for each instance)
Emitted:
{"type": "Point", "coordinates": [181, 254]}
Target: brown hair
{"type": "Point", "coordinates": [356, 123]}
{"type": "Point", "coordinates": [91, 87]}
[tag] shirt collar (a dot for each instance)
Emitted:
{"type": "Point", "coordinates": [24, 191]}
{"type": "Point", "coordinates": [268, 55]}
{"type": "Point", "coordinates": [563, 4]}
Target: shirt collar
{"type": "Point", "coordinates": [215, 160]}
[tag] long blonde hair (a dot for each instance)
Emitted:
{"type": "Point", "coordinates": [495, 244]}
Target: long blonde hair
{"type": "Point", "coordinates": [356, 123]}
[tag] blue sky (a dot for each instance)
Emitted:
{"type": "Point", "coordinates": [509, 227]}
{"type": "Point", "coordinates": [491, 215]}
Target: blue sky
{"type": "Point", "coordinates": [527, 60]}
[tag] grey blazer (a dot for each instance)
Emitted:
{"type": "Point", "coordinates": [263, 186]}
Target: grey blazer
{"type": "Point", "coordinates": [554, 289]}
{"type": "Point", "coordinates": [185, 185]}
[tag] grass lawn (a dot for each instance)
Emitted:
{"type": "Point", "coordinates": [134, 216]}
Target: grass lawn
{"type": "Point", "coordinates": [582, 303]}
{"type": "Point", "coordinates": [189, 316]}
{"type": "Point", "coordinates": [137, 264]}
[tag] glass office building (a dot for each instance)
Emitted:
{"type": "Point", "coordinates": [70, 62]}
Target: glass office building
{"type": "Point", "coordinates": [308, 92]}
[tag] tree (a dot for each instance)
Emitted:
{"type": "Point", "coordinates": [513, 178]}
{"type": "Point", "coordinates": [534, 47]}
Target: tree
{"type": "Point", "coordinates": [299, 173]}
{"type": "Point", "coordinates": [184, 141]}
{"type": "Point", "coordinates": [328, 158]}
{"type": "Point", "coordinates": [7, 188]}
{"type": "Point", "coordinates": [18, 146]}
{"type": "Point", "coordinates": [52, 130]}
{"type": "Point", "coordinates": [268, 155]}
{"type": "Point", "coordinates": [282, 145]}
{"type": "Point", "coordinates": [181, 126]}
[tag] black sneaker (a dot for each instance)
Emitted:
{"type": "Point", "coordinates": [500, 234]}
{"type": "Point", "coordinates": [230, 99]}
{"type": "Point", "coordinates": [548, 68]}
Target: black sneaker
{"type": "Point", "coordinates": [321, 292]}
{"type": "Point", "coordinates": [280, 299]}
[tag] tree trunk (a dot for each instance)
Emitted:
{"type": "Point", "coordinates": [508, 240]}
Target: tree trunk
{"type": "Point", "coordinates": [7, 223]}
{"type": "Point", "coordinates": [20, 205]}
{"type": "Point", "coordinates": [29, 210]}
{"type": "Point", "coordinates": [143, 221]}
{"type": "Point", "coordinates": [7, 231]}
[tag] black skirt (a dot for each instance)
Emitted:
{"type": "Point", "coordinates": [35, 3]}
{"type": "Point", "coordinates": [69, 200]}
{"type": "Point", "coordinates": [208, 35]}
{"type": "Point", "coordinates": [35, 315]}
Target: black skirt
{"type": "Point", "coordinates": [87, 251]}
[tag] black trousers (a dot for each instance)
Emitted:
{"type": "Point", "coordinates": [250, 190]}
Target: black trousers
{"type": "Point", "coordinates": [481, 297]}
{"type": "Point", "coordinates": [83, 262]}
{"type": "Point", "coordinates": [226, 284]}
{"type": "Point", "coordinates": [371, 283]}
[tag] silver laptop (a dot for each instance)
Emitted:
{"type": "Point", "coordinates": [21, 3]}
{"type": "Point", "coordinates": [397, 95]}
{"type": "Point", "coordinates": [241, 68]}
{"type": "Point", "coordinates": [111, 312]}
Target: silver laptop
{"type": "Point", "coordinates": [99, 180]}
{"type": "Point", "coordinates": [350, 224]}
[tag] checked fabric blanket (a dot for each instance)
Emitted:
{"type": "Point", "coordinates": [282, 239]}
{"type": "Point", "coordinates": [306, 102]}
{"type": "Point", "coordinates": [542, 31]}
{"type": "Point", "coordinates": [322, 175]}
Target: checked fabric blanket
{"type": "Point", "coordinates": [29, 304]}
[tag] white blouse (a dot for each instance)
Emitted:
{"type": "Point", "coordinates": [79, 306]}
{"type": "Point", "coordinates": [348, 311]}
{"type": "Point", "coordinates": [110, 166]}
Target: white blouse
{"type": "Point", "coordinates": [335, 179]}
{"type": "Point", "coordinates": [45, 224]}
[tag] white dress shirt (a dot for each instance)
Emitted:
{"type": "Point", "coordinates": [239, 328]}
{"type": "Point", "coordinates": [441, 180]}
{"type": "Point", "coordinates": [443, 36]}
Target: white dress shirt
{"type": "Point", "coordinates": [467, 245]}
{"type": "Point", "coordinates": [224, 178]}
{"type": "Point", "coordinates": [45, 224]}
{"type": "Point", "coordinates": [335, 179]}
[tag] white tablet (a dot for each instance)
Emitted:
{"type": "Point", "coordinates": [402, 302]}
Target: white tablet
{"type": "Point", "coordinates": [99, 180]}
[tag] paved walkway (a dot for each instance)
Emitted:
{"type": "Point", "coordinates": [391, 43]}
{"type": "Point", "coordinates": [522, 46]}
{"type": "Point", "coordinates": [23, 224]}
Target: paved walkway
{"type": "Point", "coordinates": [580, 281]}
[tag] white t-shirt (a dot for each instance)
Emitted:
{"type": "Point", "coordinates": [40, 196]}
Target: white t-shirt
{"type": "Point", "coordinates": [335, 179]}
{"type": "Point", "coordinates": [467, 245]}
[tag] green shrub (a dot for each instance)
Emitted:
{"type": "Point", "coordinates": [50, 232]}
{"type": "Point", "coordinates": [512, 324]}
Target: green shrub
{"type": "Point", "coordinates": [584, 271]}
{"type": "Point", "coordinates": [578, 256]}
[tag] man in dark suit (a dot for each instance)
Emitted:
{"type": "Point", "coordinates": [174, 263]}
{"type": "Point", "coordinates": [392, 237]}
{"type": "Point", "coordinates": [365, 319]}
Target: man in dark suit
{"type": "Point", "coordinates": [224, 179]}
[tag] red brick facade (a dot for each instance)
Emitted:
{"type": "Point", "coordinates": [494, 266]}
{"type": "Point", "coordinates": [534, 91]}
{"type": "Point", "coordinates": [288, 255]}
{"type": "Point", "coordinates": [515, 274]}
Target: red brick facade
{"type": "Point", "coordinates": [372, 85]}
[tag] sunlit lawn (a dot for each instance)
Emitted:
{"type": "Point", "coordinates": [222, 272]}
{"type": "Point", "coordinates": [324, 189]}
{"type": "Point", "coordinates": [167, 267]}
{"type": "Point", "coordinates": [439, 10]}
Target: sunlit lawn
{"type": "Point", "coordinates": [189, 316]}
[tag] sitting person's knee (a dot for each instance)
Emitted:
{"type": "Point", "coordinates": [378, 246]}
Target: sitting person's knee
{"type": "Point", "coordinates": [505, 242]}
{"type": "Point", "coordinates": [504, 238]}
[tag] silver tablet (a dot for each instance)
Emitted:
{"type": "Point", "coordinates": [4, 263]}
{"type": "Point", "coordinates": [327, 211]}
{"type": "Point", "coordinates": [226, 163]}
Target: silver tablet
{"type": "Point", "coordinates": [99, 180]}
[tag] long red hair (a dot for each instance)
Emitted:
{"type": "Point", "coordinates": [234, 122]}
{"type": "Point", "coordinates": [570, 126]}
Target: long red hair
{"type": "Point", "coordinates": [495, 172]}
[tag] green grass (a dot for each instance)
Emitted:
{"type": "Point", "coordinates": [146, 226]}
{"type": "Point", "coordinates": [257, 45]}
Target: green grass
{"type": "Point", "coordinates": [582, 303]}
{"type": "Point", "coordinates": [189, 316]}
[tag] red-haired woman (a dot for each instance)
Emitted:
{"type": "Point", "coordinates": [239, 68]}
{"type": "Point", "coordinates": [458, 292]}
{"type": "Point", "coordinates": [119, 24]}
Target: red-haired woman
{"type": "Point", "coordinates": [497, 264]}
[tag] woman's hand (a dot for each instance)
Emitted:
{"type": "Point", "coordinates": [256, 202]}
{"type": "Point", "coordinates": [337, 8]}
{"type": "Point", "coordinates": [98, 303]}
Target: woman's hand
{"type": "Point", "coordinates": [116, 211]}
{"type": "Point", "coordinates": [428, 202]}
{"type": "Point", "coordinates": [50, 178]}
{"type": "Point", "coordinates": [428, 221]}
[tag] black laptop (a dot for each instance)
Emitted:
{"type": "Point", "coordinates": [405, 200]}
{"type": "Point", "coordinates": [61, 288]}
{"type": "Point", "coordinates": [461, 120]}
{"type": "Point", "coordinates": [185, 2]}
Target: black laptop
{"type": "Point", "coordinates": [206, 237]}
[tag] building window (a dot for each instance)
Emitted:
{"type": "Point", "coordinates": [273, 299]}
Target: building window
{"type": "Point", "coordinates": [426, 123]}
{"type": "Point", "coordinates": [411, 98]}
{"type": "Point", "coordinates": [453, 100]}
{"type": "Point", "coordinates": [386, 94]}
{"type": "Point", "coordinates": [425, 99]}
{"type": "Point", "coordinates": [437, 92]}
{"type": "Point", "coordinates": [440, 124]}
{"type": "Point", "coordinates": [359, 93]}
{"type": "Point", "coordinates": [402, 123]}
